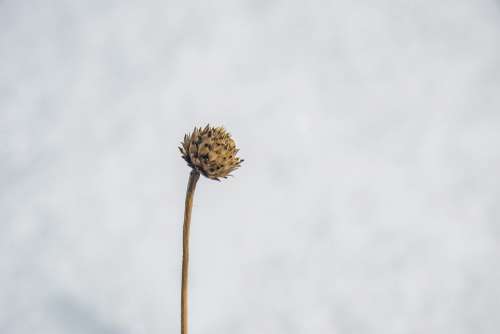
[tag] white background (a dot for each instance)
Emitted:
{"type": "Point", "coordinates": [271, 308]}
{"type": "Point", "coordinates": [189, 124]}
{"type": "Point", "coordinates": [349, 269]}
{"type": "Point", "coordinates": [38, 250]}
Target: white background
{"type": "Point", "coordinates": [368, 201]}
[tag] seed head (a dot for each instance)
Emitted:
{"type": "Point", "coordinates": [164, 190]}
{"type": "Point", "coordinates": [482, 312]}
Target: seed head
{"type": "Point", "coordinates": [211, 151]}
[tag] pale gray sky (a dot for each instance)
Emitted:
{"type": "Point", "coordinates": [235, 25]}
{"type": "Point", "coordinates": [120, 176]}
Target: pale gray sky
{"type": "Point", "coordinates": [368, 201]}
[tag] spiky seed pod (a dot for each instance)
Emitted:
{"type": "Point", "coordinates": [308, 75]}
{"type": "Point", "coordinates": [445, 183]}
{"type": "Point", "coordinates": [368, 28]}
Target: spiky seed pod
{"type": "Point", "coordinates": [211, 151]}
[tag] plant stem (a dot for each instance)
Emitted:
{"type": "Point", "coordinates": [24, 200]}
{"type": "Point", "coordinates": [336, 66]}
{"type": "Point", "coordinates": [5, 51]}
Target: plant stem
{"type": "Point", "coordinates": [193, 178]}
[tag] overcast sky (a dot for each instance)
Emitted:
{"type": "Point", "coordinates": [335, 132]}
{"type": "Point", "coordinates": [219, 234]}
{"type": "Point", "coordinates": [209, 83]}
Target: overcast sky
{"type": "Point", "coordinates": [369, 197]}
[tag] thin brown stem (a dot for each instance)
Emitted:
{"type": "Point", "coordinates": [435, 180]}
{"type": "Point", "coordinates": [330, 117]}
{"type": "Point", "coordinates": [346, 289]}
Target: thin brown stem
{"type": "Point", "coordinates": [193, 178]}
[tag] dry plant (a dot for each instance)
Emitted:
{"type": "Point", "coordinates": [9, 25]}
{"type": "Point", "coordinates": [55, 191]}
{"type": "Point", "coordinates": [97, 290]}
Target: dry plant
{"type": "Point", "coordinates": [212, 152]}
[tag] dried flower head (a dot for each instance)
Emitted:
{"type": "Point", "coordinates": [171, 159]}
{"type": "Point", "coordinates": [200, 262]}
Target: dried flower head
{"type": "Point", "coordinates": [211, 151]}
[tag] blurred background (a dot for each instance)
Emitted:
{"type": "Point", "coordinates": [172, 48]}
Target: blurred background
{"type": "Point", "coordinates": [369, 197]}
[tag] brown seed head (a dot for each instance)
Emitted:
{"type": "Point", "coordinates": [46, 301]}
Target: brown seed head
{"type": "Point", "coordinates": [211, 151]}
